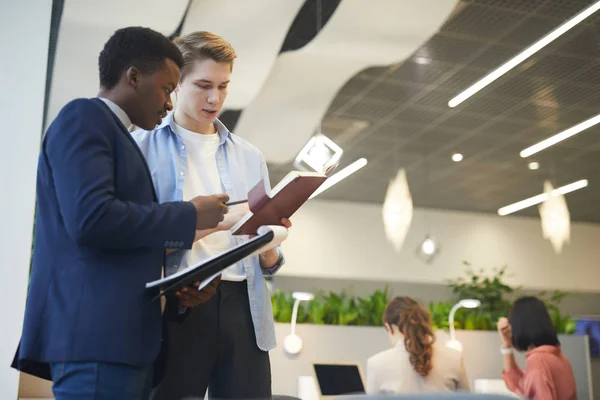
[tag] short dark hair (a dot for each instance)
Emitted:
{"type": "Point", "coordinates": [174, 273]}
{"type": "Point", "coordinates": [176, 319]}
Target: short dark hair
{"type": "Point", "coordinates": [531, 324]}
{"type": "Point", "coordinates": [135, 46]}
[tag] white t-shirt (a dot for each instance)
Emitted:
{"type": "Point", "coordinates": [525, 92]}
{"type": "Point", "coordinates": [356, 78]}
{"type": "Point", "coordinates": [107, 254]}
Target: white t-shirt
{"type": "Point", "coordinates": [203, 179]}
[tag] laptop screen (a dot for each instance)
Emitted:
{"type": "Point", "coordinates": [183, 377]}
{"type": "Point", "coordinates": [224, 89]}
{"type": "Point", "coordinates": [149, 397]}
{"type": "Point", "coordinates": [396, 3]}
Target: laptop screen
{"type": "Point", "coordinates": [335, 379]}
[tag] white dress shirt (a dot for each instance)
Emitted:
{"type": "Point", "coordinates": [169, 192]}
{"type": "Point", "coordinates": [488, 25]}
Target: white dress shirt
{"type": "Point", "coordinates": [118, 111]}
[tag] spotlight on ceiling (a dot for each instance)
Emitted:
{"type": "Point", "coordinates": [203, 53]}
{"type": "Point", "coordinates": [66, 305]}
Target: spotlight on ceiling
{"type": "Point", "coordinates": [457, 157]}
{"type": "Point", "coordinates": [533, 165]}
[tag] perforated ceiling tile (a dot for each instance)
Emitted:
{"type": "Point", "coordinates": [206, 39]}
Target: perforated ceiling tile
{"type": "Point", "coordinates": [405, 121]}
{"type": "Point", "coordinates": [563, 9]}
{"type": "Point", "coordinates": [521, 6]}
{"type": "Point", "coordinates": [420, 147]}
{"type": "Point", "coordinates": [534, 112]}
{"type": "Point", "coordinates": [395, 92]}
{"type": "Point", "coordinates": [449, 49]}
{"type": "Point", "coordinates": [435, 98]}
{"type": "Point", "coordinates": [464, 121]}
{"type": "Point", "coordinates": [520, 86]}
{"type": "Point", "coordinates": [462, 78]}
{"type": "Point", "coordinates": [581, 141]}
{"type": "Point", "coordinates": [488, 104]}
{"type": "Point", "coordinates": [569, 93]}
{"type": "Point", "coordinates": [530, 30]}
{"type": "Point", "coordinates": [368, 109]}
{"type": "Point", "coordinates": [568, 119]}
{"type": "Point", "coordinates": [420, 114]}
{"type": "Point", "coordinates": [555, 67]}
{"type": "Point", "coordinates": [590, 75]}
{"type": "Point", "coordinates": [584, 42]}
{"type": "Point", "coordinates": [473, 144]}
{"type": "Point", "coordinates": [477, 20]}
{"type": "Point", "coordinates": [398, 130]}
{"type": "Point", "coordinates": [495, 56]}
{"type": "Point", "coordinates": [422, 73]}
{"type": "Point", "coordinates": [438, 136]}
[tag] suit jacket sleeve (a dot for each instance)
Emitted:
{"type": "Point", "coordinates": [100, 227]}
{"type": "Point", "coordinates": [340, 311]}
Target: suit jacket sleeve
{"type": "Point", "coordinates": [80, 150]}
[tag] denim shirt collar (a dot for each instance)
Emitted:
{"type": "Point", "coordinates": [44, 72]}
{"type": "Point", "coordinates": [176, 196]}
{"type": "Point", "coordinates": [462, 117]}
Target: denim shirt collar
{"type": "Point", "coordinates": [222, 130]}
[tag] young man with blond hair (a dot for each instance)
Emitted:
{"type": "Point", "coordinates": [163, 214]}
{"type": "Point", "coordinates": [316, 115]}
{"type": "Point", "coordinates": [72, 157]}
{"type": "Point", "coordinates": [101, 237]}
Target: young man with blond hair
{"type": "Point", "coordinates": [222, 345]}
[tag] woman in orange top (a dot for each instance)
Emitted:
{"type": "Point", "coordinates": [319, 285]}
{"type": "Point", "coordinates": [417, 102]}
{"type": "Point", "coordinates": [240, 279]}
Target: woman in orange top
{"type": "Point", "coordinates": [548, 374]}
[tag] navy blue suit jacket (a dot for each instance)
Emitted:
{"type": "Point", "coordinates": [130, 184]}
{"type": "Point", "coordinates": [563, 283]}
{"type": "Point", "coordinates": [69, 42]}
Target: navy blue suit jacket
{"type": "Point", "coordinates": [100, 236]}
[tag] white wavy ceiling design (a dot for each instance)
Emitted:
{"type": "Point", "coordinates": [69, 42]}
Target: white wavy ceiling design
{"type": "Point", "coordinates": [86, 26]}
{"type": "Point", "coordinates": [302, 83]}
{"type": "Point", "coordinates": [256, 30]}
{"type": "Point", "coordinates": [284, 96]}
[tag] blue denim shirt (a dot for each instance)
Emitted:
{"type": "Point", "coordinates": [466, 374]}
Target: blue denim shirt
{"type": "Point", "coordinates": [240, 166]}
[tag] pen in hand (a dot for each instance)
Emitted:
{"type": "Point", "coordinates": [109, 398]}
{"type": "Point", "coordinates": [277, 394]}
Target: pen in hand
{"type": "Point", "coordinates": [233, 203]}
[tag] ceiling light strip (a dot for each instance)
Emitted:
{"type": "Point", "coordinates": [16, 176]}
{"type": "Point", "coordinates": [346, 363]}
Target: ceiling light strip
{"type": "Point", "coordinates": [525, 54]}
{"type": "Point", "coordinates": [342, 174]}
{"type": "Point", "coordinates": [559, 137]}
{"type": "Point", "coordinates": [540, 198]}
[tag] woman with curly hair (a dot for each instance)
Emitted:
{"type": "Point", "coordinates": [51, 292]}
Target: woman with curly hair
{"type": "Point", "coordinates": [416, 363]}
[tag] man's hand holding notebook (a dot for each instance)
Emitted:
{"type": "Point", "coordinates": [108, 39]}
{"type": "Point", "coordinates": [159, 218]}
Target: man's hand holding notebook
{"type": "Point", "coordinates": [280, 203]}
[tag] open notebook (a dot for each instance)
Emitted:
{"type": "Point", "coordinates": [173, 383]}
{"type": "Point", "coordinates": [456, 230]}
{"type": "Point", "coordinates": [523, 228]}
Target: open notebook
{"type": "Point", "coordinates": [281, 202]}
{"type": "Point", "coordinates": [205, 271]}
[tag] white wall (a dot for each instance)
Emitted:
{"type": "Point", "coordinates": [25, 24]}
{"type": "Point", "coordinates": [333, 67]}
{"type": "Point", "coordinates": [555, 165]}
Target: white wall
{"type": "Point", "coordinates": [346, 240]}
{"type": "Point", "coordinates": [24, 28]}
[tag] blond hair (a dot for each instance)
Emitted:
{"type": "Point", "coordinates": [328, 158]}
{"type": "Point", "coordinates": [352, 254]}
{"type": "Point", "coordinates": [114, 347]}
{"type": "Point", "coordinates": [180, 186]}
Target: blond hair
{"type": "Point", "coordinates": [202, 45]}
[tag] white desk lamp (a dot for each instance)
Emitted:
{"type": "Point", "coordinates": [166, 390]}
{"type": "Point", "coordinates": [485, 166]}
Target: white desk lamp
{"type": "Point", "coordinates": [466, 303]}
{"type": "Point", "coordinates": [292, 343]}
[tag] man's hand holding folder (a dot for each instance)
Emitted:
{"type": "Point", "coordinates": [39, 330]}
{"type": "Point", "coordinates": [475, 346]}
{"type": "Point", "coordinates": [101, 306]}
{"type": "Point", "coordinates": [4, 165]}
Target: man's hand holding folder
{"type": "Point", "coordinates": [192, 297]}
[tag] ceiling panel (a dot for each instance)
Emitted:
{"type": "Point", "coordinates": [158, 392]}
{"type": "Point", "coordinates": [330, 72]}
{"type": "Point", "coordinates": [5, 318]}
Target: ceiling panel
{"type": "Point", "coordinates": [408, 124]}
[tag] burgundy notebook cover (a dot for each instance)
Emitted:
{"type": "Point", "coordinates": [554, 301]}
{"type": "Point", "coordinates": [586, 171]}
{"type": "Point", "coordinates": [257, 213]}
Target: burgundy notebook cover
{"type": "Point", "coordinates": [270, 211]}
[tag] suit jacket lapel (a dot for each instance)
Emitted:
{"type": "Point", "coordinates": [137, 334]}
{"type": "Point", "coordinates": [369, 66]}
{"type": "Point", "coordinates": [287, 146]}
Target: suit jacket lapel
{"type": "Point", "coordinates": [124, 131]}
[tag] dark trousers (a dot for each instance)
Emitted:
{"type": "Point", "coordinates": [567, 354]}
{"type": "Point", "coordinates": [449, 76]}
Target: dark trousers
{"type": "Point", "coordinates": [100, 381]}
{"type": "Point", "coordinates": [215, 347]}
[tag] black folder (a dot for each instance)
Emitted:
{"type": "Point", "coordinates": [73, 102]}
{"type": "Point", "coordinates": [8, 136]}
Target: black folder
{"type": "Point", "coordinates": [210, 267]}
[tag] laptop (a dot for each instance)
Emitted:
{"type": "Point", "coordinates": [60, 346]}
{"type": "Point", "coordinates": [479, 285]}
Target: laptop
{"type": "Point", "coordinates": [338, 378]}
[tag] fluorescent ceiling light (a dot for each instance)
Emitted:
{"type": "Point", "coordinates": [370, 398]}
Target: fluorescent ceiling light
{"type": "Point", "coordinates": [540, 198]}
{"type": "Point", "coordinates": [524, 55]}
{"type": "Point", "coordinates": [559, 137]}
{"type": "Point", "coordinates": [344, 173]}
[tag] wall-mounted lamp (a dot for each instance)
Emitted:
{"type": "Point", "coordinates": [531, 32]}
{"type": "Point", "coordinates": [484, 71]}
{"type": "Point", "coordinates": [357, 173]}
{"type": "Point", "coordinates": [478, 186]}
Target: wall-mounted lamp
{"type": "Point", "coordinates": [292, 343]}
{"type": "Point", "coordinates": [428, 249]}
{"type": "Point", "coordinates": [466, 303]}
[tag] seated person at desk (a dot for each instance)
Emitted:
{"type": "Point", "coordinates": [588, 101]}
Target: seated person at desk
{"type": "Point", "coordinates": [548, 374]}
{"type": "Point", "coordinates": [416, 363]}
